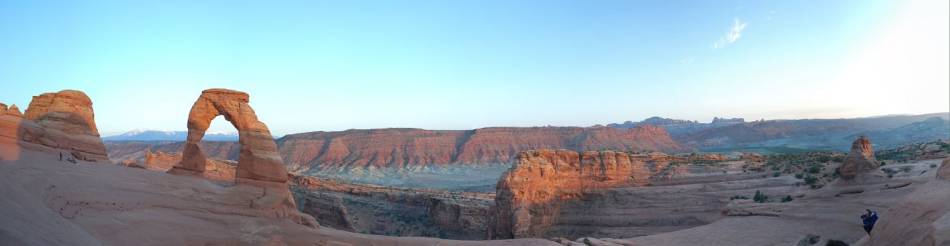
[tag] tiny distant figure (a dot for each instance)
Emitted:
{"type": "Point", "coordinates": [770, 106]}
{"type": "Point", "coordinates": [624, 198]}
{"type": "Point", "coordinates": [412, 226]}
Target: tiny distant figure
{"type": "Point", "coordinates": [60, 156]}
{"type": "Point", "coordinates": [869, 219]}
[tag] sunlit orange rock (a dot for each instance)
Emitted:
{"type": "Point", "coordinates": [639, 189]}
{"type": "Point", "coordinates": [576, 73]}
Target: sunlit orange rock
{"type": "Point", "coordinates": [529, 194]}
{"type": "Point", "coordinates": [860, 160]}
{"type": "Point", "coordinates": [258, 160]}
{"type": "Point", "coordinates": [61, 122]}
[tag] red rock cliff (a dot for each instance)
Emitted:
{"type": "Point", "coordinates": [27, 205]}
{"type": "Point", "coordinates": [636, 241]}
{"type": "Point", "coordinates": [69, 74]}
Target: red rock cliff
{"type": "Point", "coordinates": [528, 195]}
{"type": "Point", "coordinates": [412, 147]}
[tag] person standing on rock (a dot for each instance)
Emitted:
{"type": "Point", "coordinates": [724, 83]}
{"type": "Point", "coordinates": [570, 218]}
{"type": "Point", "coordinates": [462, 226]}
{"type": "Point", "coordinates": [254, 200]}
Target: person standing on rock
{"type": "Point", "coordinates": [869, 219]}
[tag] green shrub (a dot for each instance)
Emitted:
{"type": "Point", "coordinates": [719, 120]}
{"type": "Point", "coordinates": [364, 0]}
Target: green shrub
{"type": "Point", "coordinates": [810, 180]}
{"type": "Point", "coordinates": [799, 176]}
{"type": "Point", "coordinates": [814, 169]}
{"type": "Point", "coordinates": [776, 174]}
{"type": "Point", "coordinates": [787, 198]}
{"type": "Point", "coordinates": [760, 197]}
{"type": "Point", "coordinates": [907, 169]}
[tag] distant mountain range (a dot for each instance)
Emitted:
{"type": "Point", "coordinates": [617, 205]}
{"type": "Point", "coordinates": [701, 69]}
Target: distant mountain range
{"type": "Point", "coordinates": [153, 135]}
{"type": "Point", "coordinates": [678, 127]}
{"type": "Point", "coordinates": [808, 134]}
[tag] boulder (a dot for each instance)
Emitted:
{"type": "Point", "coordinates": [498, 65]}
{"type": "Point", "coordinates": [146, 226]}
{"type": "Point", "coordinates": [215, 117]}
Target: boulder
{"type": "Point", "coordinates": [860, 160]}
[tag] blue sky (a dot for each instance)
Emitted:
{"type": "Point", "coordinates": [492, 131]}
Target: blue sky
{"type": "Point", "coordinates": [334, 65]}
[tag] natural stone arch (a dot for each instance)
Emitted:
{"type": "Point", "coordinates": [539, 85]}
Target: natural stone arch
{"type": "Point", "coordinates": [258, 160]}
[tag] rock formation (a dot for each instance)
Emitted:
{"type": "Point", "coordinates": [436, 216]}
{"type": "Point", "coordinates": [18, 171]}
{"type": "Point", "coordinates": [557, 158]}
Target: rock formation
{"type": "Point", "coordinates": [944, 171]}
{"type": "Point", "coordinates": [160, 161]}
{"type": "Point", "coordinates": [922, 218]}
{"type": "Point", "coordinates": [258, 164]}
{"type": "Point", "coordinates": [416, 147]}
{"type": "Point", "coordinates": [529, 195]}
{"type": "Point", "coordinates": [12, 110]}
{"type": "Point", "coordinates": [61, 121]}
{"type": "Point", "coordinates": [222, 170]}
{"type": "Point", "coordinates": [860, 160]}
{"type": "Point", "coordinates": [258, 161]}
{"type": "Point", "coordinates": [69, 108]}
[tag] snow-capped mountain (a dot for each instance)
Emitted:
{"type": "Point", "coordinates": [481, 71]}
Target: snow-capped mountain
{"type": "Point", "coordinates": [153, 135]}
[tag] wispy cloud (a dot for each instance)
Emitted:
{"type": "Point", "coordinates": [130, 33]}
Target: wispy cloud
{"type": "Point", "coordinates": [734, 34]}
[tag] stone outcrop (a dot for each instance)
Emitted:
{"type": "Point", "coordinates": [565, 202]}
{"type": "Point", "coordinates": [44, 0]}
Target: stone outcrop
{"type": "Point", "coordinates": [12, 110]}
{"type": "Point", "coordinates": [258, 161]}
{"type": "Point", "coordinates": [416, 147]}
{"type": "Point", "coordinates": [922, 218]}
{"type": "Point", "coordinates": [860, 160]}
{"type": "Point", "coordinates": [222, 170]}
{"type": "Point", "coordinates": [529, 195]}
{"type": "Point", "coordinates": [69, 109]}
{"type": "Point", "coordinates": [62, 121]}
{"type": "Point", "coordinates": [944, 171]}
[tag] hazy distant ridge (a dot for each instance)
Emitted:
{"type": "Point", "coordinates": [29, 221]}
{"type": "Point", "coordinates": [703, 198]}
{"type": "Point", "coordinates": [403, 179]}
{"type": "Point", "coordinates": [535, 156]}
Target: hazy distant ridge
{"type": "Point", "coordinates": [153, 135]}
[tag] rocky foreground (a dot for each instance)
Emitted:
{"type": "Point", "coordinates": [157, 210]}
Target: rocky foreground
{"type": "Point", "coordinates": [48, 201]}
{"type": "Point", "coordinates": [52, 202]}
{"type": "Point", "coordinates": [56, 193]}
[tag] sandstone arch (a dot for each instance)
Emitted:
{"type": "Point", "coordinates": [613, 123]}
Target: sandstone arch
{"type": "Point", "coordinates": [258, 160]}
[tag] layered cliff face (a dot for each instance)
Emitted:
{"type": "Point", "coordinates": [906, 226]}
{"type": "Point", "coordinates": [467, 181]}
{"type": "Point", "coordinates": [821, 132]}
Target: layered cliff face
{"type": "Point", "coordinates": [530, 194]}
{"type": "Point", "coordinates": [860, 160]}
{"type": "Point", "coordinates": [406, 148]}
{"type": "Point", "coordinates": [63, 121]}
{"type": "Point", "coordinates": [393, 211]}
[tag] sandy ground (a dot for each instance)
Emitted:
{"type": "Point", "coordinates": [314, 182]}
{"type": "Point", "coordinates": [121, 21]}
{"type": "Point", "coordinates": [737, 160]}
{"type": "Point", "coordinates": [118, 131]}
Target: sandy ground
{"type": "Point", "coordinates": [46, 201]}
